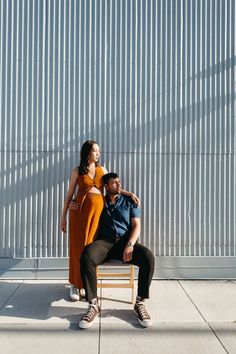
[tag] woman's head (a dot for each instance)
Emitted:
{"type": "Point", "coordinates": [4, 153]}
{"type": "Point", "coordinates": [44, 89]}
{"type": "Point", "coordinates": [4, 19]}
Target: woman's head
{"type": "Point", "coordinates": [90, 153]}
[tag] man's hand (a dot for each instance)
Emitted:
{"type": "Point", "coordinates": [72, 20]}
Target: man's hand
{"type": "Point", "coordinates": [127, 254]}
{"type": "Point", "coordinates": [73, 205]}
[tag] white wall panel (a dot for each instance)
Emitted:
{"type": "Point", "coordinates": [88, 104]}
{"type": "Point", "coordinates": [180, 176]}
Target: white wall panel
{"type": "Point", "coordinates": [154, 83]}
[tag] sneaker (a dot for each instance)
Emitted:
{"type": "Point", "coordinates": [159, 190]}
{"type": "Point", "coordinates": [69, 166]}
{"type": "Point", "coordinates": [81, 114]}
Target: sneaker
{"type": "Point", "coordinates": [82, 295]}
{"type": "Point", "coordinates": [74, 293]}
{"type": "Point", "coordinates": [143, 316]}
{"type": "Point", "coordinates": [90, 316]}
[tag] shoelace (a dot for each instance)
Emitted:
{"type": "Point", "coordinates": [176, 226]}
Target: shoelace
{"type": "Point", "coordinates": [91, 311]}
{"type": "Point", "coordinates": [142, 311]}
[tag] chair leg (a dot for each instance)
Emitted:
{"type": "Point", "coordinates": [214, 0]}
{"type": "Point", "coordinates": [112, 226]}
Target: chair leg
{"type": "Point", "coordinates": [132, 283]}
{"type": "Point", "coordinates": [129, 277]}
{"type": "Point", "coordinates": [132, 296]}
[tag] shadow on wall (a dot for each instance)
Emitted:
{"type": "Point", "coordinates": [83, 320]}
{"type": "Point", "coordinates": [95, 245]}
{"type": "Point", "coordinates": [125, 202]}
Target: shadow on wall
{"type": "Point", "coordinates": [32, 183]}
{"type": "Point", "coordinates": [127, 84]}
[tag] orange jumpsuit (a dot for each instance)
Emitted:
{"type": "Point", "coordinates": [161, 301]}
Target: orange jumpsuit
{"type": "Point", "coordinates": [83, 222]}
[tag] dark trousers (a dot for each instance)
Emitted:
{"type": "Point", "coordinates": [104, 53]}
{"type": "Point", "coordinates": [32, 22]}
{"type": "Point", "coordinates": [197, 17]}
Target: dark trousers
{"type": "Point", "coordinates": [104, 249]}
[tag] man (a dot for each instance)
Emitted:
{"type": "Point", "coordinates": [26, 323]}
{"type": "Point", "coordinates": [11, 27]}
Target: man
{"type": "Point", "coordinates": [117, 239]}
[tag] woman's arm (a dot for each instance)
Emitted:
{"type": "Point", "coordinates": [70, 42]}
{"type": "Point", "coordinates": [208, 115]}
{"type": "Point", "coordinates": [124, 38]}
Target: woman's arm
{"type": "Point", "coordinates": [124, 192]}
{"type": "Point", "coordinates": [69, 195]}
{"type": "Point", "coordinates": [133, 196]}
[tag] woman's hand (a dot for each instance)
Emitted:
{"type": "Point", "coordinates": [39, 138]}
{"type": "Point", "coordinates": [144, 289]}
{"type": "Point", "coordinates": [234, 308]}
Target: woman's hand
{"type": "Point", "coordinates": [73, 205]}
{"type": "Point", "coordinates": [63, 225]}
{"type": "Point", "coordinates": [135, 199]}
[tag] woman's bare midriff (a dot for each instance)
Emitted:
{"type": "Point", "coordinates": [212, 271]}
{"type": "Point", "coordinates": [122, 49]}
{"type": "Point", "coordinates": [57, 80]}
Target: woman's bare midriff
{"type": "Point", "coordinates": [94, 190]}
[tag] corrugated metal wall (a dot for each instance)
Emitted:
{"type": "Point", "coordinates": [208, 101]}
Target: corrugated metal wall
{"type": "Point", "coordinates": [154, 83]}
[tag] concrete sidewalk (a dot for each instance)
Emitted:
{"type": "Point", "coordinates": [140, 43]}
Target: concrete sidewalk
{"type": "Point", "coordinates": [194, 317]}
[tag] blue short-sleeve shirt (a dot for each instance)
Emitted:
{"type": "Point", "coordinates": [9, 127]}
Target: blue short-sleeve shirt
{"type": "Point", "coordinates": [115, 219]}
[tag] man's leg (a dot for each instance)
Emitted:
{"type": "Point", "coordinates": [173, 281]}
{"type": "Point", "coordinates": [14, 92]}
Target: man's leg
{"type": "Point", "coordinates": [93, 255]}
{"type": "Point", "coordinates": [144, 259]}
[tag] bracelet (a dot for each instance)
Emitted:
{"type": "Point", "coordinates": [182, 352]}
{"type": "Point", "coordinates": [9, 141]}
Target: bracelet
{"type": "Point", "coordinates": [129, 244]}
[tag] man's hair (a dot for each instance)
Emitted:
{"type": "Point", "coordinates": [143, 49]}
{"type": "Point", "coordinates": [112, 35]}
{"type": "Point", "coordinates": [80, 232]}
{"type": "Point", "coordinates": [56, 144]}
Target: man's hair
{"type": "Point", "coordinates": [107, 176]}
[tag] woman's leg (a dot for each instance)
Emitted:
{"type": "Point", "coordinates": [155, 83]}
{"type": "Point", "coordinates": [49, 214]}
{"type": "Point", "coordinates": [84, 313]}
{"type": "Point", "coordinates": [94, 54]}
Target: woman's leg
{"type": "Point", "coordinates": [83, 226]}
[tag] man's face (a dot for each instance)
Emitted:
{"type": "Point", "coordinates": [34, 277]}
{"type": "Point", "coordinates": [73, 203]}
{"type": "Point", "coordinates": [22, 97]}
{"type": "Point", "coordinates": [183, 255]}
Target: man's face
{"type": "Point", "coordinates": [113, 186]}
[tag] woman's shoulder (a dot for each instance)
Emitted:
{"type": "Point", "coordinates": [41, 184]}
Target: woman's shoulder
{"type": "Point", "coordinates": [104, 170]}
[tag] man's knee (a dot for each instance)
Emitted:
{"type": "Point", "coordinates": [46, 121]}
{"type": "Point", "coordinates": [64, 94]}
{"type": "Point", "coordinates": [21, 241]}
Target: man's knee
{"type": "Point", "coordinates": [86, 255]}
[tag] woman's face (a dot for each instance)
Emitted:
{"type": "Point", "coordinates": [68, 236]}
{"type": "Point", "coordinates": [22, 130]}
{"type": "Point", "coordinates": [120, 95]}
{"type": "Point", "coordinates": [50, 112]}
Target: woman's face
{"type": "Point", "coordinates": [94, 153]}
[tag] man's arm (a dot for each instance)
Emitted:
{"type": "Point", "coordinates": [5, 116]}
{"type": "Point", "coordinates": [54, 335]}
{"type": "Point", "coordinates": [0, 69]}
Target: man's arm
{"type": "Point", "coordinates": [134, 235]}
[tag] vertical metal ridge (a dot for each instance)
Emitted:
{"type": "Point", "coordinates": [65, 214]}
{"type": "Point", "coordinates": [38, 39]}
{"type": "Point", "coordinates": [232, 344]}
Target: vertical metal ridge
{"type": "Point", "coordinates": [154, 83]}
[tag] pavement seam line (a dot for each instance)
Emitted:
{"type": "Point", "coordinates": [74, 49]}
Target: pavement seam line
{"type": "Point", "coordinates": [100, 323]}
{"type": "Point", "coordinates": [215, 334]}
{"type": "Point", "coordinates": [11, 295]}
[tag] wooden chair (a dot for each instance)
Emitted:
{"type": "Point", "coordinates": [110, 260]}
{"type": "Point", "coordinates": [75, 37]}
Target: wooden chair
{"type": "Point", "coordinates": [128, 276]}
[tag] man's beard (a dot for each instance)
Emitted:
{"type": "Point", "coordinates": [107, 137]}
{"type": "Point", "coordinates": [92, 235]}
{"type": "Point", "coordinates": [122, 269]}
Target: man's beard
{"type": "Point", "coordinates": [114, 192]}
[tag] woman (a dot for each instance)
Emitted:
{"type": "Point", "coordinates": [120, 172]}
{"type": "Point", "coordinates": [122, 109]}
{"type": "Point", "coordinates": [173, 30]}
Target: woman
{"type": "Point", "coordinates": [84, 220]}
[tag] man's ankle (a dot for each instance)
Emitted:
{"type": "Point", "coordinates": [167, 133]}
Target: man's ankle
{"type": "Point", "coordinates": [140, 299]}
{"type": "Point", "coordinates": [94, 301]}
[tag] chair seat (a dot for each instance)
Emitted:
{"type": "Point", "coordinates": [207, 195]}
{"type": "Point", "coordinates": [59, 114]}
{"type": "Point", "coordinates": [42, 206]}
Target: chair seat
{"type": "Point", "coordinates": [128, 276]}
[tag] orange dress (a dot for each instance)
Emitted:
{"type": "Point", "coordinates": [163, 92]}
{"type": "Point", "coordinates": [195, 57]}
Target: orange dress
{"type": "Point", "coordinates": [83, 222]}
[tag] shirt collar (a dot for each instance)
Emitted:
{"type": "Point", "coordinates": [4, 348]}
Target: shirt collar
{"type": "Point", "coordinates": [118, 196]}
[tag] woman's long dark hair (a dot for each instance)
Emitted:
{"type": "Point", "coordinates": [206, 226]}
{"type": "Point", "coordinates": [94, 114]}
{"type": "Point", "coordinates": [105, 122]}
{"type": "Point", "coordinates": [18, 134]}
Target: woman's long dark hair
{"type": "Point", "coordinates": [84, 156]}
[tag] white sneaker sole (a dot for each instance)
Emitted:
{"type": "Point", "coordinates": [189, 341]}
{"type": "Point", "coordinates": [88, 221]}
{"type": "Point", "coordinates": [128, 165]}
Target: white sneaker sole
{"type": "Point", "coordinates": [73, 299]}
{"type": "Point", "coordinates": [145, 324]}
{"type": "Point", "coordinates": [85, 325]}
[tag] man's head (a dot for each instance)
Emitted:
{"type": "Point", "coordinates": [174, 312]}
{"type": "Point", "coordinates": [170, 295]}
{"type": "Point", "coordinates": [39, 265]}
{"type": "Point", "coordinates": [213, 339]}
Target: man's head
{"type": "Point", "coordinates": [112, 183]}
